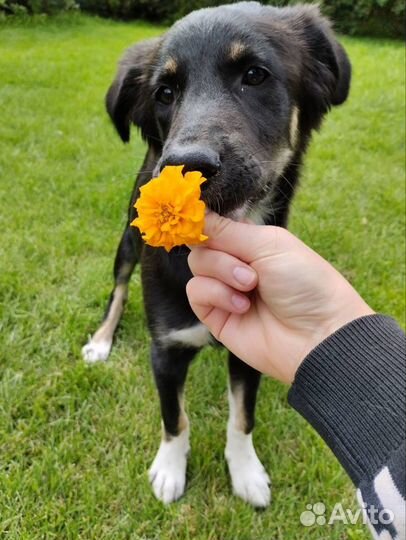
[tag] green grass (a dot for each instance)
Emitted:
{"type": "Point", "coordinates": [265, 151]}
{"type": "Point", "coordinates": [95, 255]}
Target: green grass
{"type": "Point", "coordinates": [76, 441]}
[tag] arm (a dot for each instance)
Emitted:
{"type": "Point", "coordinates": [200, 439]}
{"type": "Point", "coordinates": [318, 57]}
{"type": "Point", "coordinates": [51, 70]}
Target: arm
{"type": "Point", "coordinates": [287, 312]}
{"type": "Point", "coordinates": [351, 389]}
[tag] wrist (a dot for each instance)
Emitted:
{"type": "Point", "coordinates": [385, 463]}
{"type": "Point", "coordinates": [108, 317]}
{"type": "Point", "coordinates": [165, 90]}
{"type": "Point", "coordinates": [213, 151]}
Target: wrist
{"type": "Point", "coordinates": [352, 309]}
{"type": "Point", "coordinates": [355, 310]}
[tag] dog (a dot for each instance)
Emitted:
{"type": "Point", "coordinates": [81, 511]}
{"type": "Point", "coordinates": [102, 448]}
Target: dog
{"type": "Point", "coordinates": [234, 92]}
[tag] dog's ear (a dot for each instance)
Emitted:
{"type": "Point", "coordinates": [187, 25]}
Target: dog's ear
{"type": "Point", "coordinates": [326, 70]}
{"type": "Point", "coordinates": [322, 71]}
{"type": "Point", "coordinates": [128, 100]}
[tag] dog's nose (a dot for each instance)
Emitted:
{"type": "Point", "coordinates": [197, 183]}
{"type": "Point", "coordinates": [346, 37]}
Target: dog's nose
{"type": "Point", "coordinates": [204, 160]}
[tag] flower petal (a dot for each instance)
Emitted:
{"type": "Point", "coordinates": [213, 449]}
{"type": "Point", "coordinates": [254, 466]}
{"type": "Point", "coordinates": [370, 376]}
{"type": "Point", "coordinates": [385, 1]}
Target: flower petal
{"type": "Point", "coordinates": [169, 208]}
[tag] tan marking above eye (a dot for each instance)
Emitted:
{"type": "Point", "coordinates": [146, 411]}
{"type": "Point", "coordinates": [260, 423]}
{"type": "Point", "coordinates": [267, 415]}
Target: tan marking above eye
{"type": "Point", "coordinates": [237, 49]}
{"type": "Point", "coordinates": [171, 65]}
{"type": "Point", "coordinates": [294, 127]}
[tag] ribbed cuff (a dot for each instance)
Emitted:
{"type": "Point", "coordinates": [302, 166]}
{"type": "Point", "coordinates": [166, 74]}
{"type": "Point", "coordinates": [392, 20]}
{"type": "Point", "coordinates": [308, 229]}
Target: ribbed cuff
{"type": "Point", "coordinates": [352, 389]}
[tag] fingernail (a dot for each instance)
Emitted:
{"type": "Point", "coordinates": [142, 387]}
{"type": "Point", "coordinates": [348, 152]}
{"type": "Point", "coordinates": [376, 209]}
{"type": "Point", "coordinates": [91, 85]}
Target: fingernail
{"type": "Point", "coordinates": [244, 275]}
{"type": "Point", "coordinates": [239, 301]}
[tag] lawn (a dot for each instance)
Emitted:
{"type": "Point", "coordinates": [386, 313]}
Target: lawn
{"type": "Point", "coordinates": [76, 441]}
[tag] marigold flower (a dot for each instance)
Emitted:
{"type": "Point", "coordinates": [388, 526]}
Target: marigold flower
{"type": "Point", "coordinates": [170, 212]}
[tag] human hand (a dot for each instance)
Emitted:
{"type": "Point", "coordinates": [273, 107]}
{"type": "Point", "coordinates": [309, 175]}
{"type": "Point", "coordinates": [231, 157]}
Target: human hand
{"type": "Point", "coordinates": [266, 296]}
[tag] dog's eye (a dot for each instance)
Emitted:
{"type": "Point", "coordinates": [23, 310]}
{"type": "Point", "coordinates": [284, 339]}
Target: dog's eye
{"type": "Point", "coordinates": [165, 95]}
{"type": "Point", "coordinates": [254, 76]}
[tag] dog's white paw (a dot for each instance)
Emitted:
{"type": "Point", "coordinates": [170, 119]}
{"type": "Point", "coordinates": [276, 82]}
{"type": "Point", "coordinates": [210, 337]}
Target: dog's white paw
{"type": "Point", "coordinates": [251, 483]}
{"type": "Point", "coordinates": [168, 471]}
{"type": "Point", "coordinates": [248, 476]}
{"type": "Point", "coordinates": [96, 351]}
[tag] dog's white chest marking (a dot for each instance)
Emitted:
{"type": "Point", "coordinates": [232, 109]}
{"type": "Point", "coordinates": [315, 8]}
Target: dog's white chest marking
{"type": "Point", "coordinates": [197, 335]}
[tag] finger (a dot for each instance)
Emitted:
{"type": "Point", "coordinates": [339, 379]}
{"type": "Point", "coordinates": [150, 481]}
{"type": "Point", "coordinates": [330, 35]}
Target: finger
{"type": "Point", "coordinates": [213, 302]}
{"type": "Point", "coordinates": [205, 293]}
{"type": "Point", "coordinates": [222, 266]}
{"type": "Point", "coordinates": [246, 241]}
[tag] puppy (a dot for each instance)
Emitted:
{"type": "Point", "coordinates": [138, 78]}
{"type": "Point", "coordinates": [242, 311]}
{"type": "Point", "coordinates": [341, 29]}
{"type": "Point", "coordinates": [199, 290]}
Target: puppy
{"type": "Point", "coordinates": [234, 92]}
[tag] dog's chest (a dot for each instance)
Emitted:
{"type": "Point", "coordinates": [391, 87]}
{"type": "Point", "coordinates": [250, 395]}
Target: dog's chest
{"type": "Point", "coordinates": [197, 336]}
{"type": "Point", "coordinates": [176, 271]}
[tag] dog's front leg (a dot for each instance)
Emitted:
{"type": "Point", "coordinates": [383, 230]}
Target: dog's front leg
{"type": "Point", "coordinates": [248, 476]}
{"type": "Point", "coordinates": [168, 471]}
{"type": "Point", "coordinates": [128, 253]}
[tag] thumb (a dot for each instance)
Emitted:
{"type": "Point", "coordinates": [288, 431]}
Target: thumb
{"type": "Point", "coordinates": [246, 241]}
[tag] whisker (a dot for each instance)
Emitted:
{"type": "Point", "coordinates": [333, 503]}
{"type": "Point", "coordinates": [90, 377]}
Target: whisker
{"type": "Point", "coordinates": [293, 204]}
{"type": "Point", "coordinates": [148, 136]}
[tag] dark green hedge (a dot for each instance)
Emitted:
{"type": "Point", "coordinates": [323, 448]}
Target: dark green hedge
{"type": "Point", "coordinates": [368, 17]}
{"type": "Point", "coordinates": [50, 7]}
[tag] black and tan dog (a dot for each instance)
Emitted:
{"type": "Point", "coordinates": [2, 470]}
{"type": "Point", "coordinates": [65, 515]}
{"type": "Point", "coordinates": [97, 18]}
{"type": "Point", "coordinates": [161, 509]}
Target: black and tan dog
{"type": "Point", "coordinates": [235, 93]}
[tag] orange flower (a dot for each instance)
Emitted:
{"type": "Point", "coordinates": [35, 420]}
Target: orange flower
{"type": "Point", "coordinates": [170, 212]}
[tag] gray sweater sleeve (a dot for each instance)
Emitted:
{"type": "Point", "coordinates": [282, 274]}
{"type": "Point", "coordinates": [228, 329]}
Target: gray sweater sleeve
{"type": "Point", "coordinates": [352, 389]}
